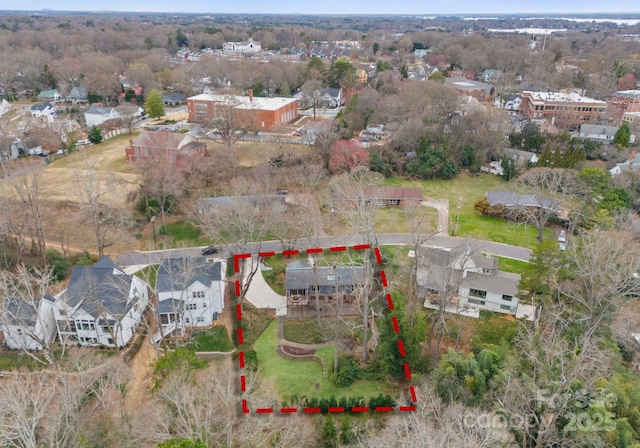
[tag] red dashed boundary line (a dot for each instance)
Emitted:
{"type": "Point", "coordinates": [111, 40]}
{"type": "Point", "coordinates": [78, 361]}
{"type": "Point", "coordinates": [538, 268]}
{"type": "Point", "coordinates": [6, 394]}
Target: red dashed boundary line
{"type": "Point", "coordinates": [308, 410]}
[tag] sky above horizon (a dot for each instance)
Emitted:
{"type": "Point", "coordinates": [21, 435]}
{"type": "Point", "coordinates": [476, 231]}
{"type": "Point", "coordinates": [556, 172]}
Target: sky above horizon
{"type": "Point", "coordinates": [360, 7]}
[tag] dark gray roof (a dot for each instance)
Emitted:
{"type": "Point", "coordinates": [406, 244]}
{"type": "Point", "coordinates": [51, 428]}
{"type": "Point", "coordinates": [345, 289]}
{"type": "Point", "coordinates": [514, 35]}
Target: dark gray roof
{"type": "Point", "coordinates": [300, 275]}
{"type": "Point", "coordinates": [102, 286]}
{"type": "Point", "coordinates": [20, 311]}
{"type": "Point", "coordinates": [94, 110]}
{"type": "Point", "coordinates": [437, 267]}
{"type": "Point", "coordinates": [446, 258]}
{"type": "Point", "coordinates": [170, 306]}
{"type": "Point", "coordinates": [78, 92]}
{"type": "Point", "coordinates": [176, 274]}
{"type": "Point", "coordinates": [511, 199]}
{"type": "Point", "coordinates": [598, 129]}
{"type": "Point", "coordinates": [500, 283]}
{"type": "Point", "coordinates": [42, 106]}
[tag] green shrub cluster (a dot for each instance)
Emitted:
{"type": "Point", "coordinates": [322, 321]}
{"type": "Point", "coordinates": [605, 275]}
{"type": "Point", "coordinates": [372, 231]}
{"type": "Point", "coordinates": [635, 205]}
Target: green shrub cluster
{"type": "Point", "coordinates": [347, 373]}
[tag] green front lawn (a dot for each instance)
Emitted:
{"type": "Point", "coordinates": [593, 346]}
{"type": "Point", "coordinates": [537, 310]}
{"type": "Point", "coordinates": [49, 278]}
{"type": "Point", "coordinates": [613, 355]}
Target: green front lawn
{"type": "Point", "coordinates": [304, 378]}
{"type": "Point", "coordinates": [511, 265]}
{"type": "Point", "coordinates": [182, 233]}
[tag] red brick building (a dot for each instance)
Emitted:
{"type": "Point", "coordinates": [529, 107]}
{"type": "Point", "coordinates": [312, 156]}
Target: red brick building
{"type": "Point", "coordinates": [621, 102]}
{"type": "Point", "coordinates": [565, 111]}
{"type": "Point", "coordinates": [164, 146]}
{"type": "Point", "coordinates": [254, 113]}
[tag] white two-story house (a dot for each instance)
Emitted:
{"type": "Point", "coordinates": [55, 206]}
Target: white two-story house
{"type": "Point", "coordinates": [190, 293]}
{"type": "Point", "coordinates": [102, 305]}
{"type": "Point", "coordinates": [468, 280]}
{"type": "Point", "coordinates": [27, 323]}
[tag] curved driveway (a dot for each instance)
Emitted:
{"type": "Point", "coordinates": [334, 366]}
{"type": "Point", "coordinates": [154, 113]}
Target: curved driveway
{"type": "Point", "coordinates": [391, 239]}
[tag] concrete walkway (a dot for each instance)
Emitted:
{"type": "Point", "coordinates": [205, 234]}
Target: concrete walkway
{"type": "Point", "coordinates": [261, 295]}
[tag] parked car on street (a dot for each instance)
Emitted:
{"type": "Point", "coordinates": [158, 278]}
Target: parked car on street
{"type": "Point", "coordinates": [210, 250]}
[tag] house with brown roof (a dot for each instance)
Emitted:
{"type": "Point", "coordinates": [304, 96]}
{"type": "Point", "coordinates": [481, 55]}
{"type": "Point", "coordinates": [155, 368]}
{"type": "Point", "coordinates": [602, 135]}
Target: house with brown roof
{"type": "Point", "coordinates": [164, 146]}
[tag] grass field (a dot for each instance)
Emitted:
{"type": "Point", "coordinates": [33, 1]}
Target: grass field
{"type": "Point", "coordinates": [510, 265]}
{"type": "Point", "coordinates": [465, 190]}
{"type": "Point", "coordinates": [298, 378]}
{"type": "Point", "coordinates": [215, 339]}
{"type": "Point", "coordinates": [182, 234]}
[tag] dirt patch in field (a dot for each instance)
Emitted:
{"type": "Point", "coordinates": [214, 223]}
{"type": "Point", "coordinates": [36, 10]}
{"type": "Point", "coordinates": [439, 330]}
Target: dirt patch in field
{"type": "Point", "coordinates": [141, 369]}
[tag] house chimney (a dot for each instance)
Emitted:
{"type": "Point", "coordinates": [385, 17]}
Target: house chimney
{"type": "Point", "coordinates": [250, 95]}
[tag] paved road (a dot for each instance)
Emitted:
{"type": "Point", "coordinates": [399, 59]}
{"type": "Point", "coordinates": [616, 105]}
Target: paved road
{"type": "Point", "coordinates": [392, 239]}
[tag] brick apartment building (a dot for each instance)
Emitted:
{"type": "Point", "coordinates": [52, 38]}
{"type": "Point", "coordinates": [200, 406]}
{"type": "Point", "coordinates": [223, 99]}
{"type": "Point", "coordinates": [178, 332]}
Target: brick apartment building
{"type": "Point", "coordinates": [565, 111]}
{"type": "Point", "coordinates": [254, 113]}
{"type": "Point", "coordinates": [621, 102]}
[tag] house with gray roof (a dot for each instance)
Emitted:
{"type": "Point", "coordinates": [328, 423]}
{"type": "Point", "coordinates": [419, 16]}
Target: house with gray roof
{"type": "Point", "coordinates": [466, 280]}
{"type": "Point", "coordinates": [598, 133]}
{"type": "Point", "coordinates": [633, 164]}
{"type": "Point", "coordinates": [27, 323]}
{"type": "Point", "coordinates": [510, 200]}
{"type": "Point", "coordinates": [43, 110]}
{"type": "Point", "coordinates": [96, 115]}
{"type": "Point", "coordinates": [304, 282]}
{"type": "Point", "coordinates": [102, 305]}
{"type": "Point", "coordinates": [78, 95]}
{"type": "Point", "coordinates": [190, 293]}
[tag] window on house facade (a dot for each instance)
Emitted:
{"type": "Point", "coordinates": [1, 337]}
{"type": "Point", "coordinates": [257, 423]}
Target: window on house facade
{"type": "Point", "coordinates": [505, 307]}
{"type": "Point", "coordinates": [201, 108]}
{"type": "Point", "coordinates": [198, 294]}
{"type": "Point", "coordinates": [200, 319]}
{"type": "Point", "coordinates": [85, 325]}
{"type": "Point", "coordinates": [507, 298]}
{"type": "Point", "coordinates": [477, 302]}
{"type": "Point", "coordinates": [62, 312]}
{"type": "Point", "coordinates": [110, 341]}
{"type": "Point", "coordinates": [192, 306]}
{"type": "Point", "coordinates": [19, 331]}
{"type": "Point", "coordinates": [477, 293]}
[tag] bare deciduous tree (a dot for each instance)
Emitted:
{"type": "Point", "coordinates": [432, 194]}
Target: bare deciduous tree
{"type": "Point", "coordinates": [28, 191]}
{"type": "Point", "coordinates": [22, 292]}
{"type": "Point", "coordinates": [105, 220]}
{"type": "Point", "coordinates": [550, 187]}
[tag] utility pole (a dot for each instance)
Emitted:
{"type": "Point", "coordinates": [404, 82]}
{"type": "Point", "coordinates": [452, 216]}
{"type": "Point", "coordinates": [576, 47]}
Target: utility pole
{"type": "Point", "coordinates": [153, 225]}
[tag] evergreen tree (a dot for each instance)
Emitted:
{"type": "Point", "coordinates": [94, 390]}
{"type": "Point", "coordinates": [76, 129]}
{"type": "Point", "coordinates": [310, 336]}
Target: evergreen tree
{"type": "Point", "coordinates": [623, 136]}
{"type": "Point", "coordinates": [153, 106]}
{"type": "Point", "coordinates": [329, 435]}
{"type": "Point", "coordinates": [95, 135]}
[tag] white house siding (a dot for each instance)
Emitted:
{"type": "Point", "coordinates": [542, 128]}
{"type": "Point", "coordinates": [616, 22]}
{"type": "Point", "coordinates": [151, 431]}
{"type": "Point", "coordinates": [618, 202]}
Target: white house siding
{"type": "Point", "coordinates": [17, 337]}
{"type": "Point", "coordinates": [492, 301]}
{"type": "Point", "coordinates": [199, 305]}
{"type": "Point", "coordinates": [24, 337]}
{"type": "Point", "coordinates": [98, 119]}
